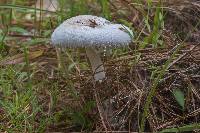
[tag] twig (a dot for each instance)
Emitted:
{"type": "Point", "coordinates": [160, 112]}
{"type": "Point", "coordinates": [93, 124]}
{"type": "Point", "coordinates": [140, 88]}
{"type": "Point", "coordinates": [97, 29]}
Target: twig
{"type": "Point", "coordinates": [100, 109]}
{"type": "Point", "coordinates": [180, 57]}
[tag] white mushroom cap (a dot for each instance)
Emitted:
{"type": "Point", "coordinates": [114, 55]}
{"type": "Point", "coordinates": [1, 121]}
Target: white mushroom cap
{"type": "Point", "coordinates": [90, 31]}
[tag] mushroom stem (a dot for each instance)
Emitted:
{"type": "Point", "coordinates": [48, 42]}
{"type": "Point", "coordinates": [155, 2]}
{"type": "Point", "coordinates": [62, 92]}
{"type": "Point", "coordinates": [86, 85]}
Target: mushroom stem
{"type": "Point", "coordinates": [59, 58]}
{"type": "Point", "coordinates": [96, 63]}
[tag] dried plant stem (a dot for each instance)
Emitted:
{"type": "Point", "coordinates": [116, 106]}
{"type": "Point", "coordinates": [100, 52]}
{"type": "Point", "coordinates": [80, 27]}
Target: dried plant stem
{"type": "Point", "coordinates": [59, 57]}
{"type": "Point", "coordinates": [100, 109]}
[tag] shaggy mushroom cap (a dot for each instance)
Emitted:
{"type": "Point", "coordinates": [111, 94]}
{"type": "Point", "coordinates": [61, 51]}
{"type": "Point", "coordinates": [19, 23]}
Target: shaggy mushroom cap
{"type": "Point", "coordinates": [90, 31]}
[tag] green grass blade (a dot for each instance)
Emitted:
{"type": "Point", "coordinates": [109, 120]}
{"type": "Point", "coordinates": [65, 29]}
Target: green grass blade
{"type": "Point", "coordinates": [187, 128]}
{"type": "Point", "coordinates": [105, 9]}
{"type": "Point", "coordinates": [179, 96]}
{"type": "Point", "coordinates": [19, 7]}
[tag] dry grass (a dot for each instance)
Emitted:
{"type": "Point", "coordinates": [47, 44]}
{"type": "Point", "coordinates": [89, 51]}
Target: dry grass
{"type": "Point", "coordinates": [67, 99]}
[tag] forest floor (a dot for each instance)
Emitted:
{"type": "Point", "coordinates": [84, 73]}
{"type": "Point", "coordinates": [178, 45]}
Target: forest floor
{"type": "Point", "coordinates": [152, 86]}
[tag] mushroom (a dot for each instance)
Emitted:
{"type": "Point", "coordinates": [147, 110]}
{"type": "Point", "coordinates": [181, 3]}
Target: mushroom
{"type": "Point", "coordinates": [91, 32]}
